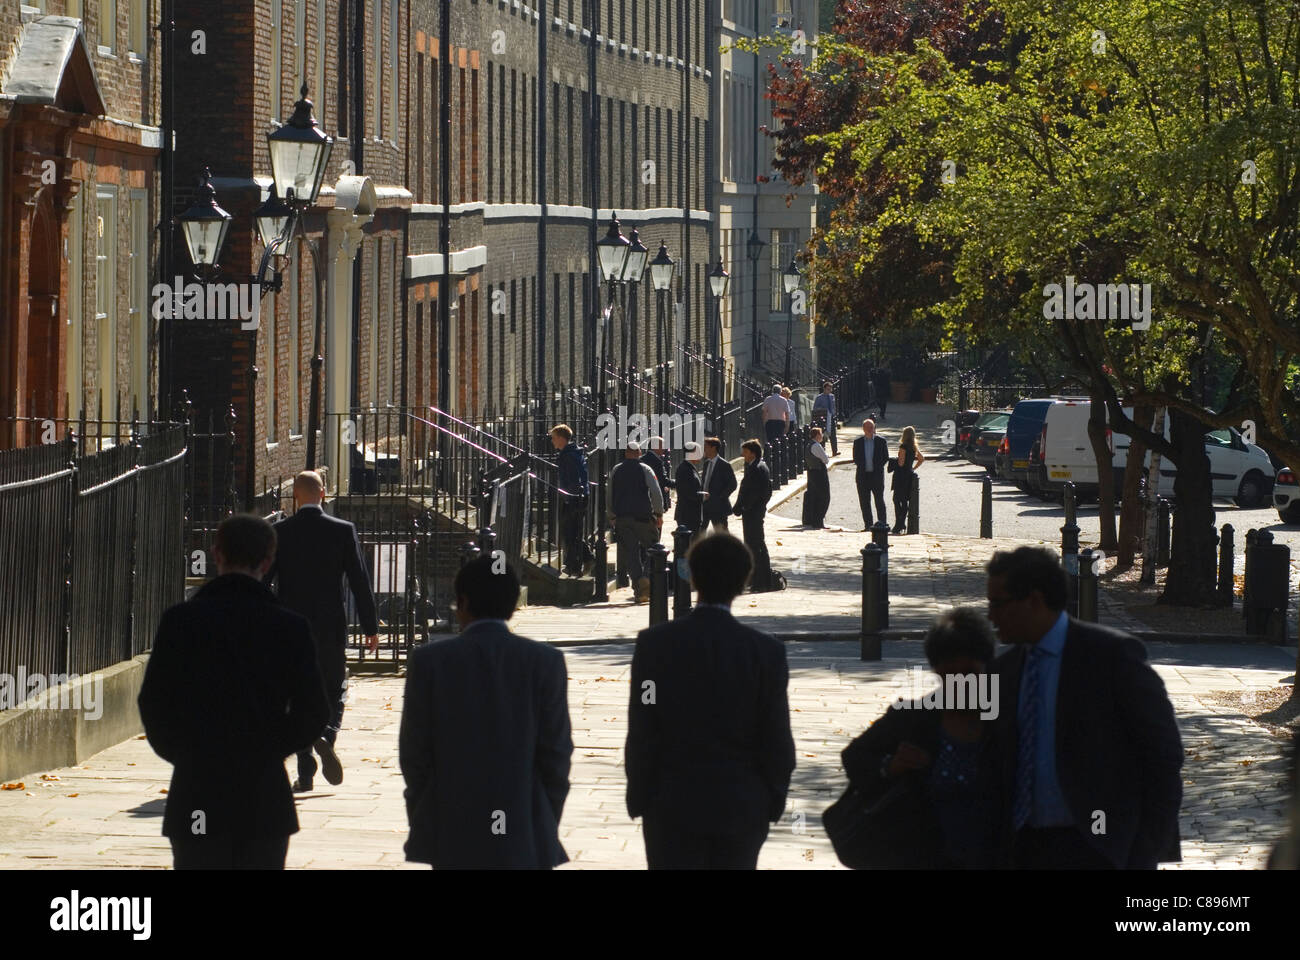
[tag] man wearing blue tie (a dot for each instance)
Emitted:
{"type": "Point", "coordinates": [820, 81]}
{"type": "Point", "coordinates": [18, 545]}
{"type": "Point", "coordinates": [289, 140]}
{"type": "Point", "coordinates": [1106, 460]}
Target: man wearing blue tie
{"type": "Point", "coordinates": [1086, 738]}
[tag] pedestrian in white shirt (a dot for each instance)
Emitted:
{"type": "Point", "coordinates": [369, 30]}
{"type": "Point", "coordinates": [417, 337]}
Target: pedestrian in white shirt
{"type": "Point", "coordinates": [817, 498]}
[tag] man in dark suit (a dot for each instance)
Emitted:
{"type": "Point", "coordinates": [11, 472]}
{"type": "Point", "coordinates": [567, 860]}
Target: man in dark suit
{"type": "Point", "coordinates": [871, 454]}
{"type": "Point", "coordinates": [571, 470]}
{"type": "Point", "coordinates": [231, 690]}
{"type": "Point", "coordinates": [751, 507]}
{"type": "Point", "coordinates": [718, 482]}
{"type": "Point", "coordinates": [689, 511]}
{"type": "Point", "coordinates": [1085, 732]}
{"type": "Point", "coordinates": [485, 745]}
{"type": "Point", "coordinates": [709, 750]}
{"type": "Point", "coordinates": [316, 551]}
{"type": "Point", "coordinates": [656, 458]}
{"type": "Point", "coordinates": [880, 380]}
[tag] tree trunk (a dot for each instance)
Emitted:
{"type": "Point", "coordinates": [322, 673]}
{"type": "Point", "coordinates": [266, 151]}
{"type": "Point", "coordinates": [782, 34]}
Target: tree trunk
{"type": "Point", "coordinates": [1130, 518]}
{"type": "Point", "coordinates": [1191, 578]}
{"type": "Point", "coordinates": [1149, 504]}
{"type": "Point", "coordinates": [1105, 472]}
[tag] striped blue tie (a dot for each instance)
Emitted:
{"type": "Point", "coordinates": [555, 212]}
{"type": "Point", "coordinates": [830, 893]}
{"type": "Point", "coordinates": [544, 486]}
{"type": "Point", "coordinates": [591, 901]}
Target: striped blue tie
{"type": "Point", "coordinates": [1027, 739]}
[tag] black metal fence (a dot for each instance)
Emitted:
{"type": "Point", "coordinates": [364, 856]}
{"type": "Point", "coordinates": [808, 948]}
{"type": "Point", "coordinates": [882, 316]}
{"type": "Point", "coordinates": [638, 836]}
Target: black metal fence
{"type": "Point", "coordinates": [90, 543]}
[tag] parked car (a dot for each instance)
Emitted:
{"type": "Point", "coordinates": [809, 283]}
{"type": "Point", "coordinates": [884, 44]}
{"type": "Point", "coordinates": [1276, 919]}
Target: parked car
{"type": "Point", "coordinates": [1239, 471]}
{"type": "Point", "coordinates": [1002, 459]}
{"type": "Point", "coordinates": [1024, 428]}
{"type": "Point", "coordinates": [987, 436]}
{"type": "Point", "coordinates": [1286, 496]}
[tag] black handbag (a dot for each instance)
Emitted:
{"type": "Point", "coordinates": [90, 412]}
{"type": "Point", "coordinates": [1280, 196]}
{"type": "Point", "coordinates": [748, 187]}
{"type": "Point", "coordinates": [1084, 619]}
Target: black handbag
{"type": "Point", "coordinates": [893, 830]}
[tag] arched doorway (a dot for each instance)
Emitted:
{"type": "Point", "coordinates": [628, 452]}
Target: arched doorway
{"type": "Point", "coordinates": [42, 393]}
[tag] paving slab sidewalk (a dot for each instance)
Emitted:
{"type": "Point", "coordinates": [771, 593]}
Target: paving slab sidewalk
{"type": "Point", "coordinates": [107, 811]}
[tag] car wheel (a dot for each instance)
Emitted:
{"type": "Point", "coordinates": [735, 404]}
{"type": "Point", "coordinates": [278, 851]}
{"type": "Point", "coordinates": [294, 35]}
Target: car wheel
{"type": "Point", "coordinates": [1253, 492]}
{"type": "Point", "coordinates": [1290, 513]}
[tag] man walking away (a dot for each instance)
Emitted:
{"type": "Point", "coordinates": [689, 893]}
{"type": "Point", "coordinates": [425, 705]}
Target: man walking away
{"type": "Point", "coordinates": [776, 415]}
{"type": "Point", "coordinates": [690, 507]}
{"type": "Point", "coordinates": [751, 507]}
{"type": "Point", "coordinates": [315, 552]}
{"type": "Point", "coordinates": [571, 467]}
{"type": "Point", "coordinates": [881, 381]}
{"type": "Point", "coordinates": [709, 750]}
{"type": "Point", "coordinates": [656, 458]}
{"type": "Point", "coordinates": [871, 454]}
{"type": "Point", "coordinates": [231, 689]}
{"type": "Point", "coordinates": [485, 744]}
{"type": "Point", "coordinates": [826, 403]}
{"type": "Point", "coordinates": [794, 413]}
{"type": "Point", "coordinates": [636, 514]}
{"type": "Point", "coordinates": [718, 483]}
{"type": "Point", "coordinates": [817, 498]}
{"type": "Point", "coordinates": [1086, 733]}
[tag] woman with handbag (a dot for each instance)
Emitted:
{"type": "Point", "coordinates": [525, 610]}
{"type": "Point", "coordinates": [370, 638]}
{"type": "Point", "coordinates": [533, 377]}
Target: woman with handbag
{"type": "Point", "coordinates": [923, 784]}
{"type": "Point", "coordinates": [903, 467]}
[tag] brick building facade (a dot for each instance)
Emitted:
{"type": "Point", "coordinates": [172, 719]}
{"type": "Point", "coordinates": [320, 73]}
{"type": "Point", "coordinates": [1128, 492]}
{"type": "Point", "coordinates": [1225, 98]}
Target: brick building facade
{"type": "Point", "coordinates": [79, 141]}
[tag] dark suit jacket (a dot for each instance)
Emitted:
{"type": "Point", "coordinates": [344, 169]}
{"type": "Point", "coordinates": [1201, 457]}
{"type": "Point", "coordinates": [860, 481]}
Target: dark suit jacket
{"type": "Point", "coordinates": [313, 553]}
{"type": "Point", "coordinates": [1117, 745]}
{"type": "Point", "coordinates": [755, 490]}
{"type": "Point", "coordinates": [721, 485]}
{"type": "Point", "coordinates": [688, 496]}
{"type": "Point", "coordinates": [485, 746]}
{"type": "Point", "coordinates": [231, 689]}
{"type": "Point", "coordinates": [709, 744]}
{"type": "Point", "coordinates": [879, 456]}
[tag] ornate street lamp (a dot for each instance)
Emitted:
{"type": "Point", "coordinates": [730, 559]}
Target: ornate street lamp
{"type": "Point", "coordinates": [204, 226]}
{"type": "Point", "coordinates": [300, 152]}
{"type": "Point", "coordinates": [662, 268]}
{"type": "Point", "coordinates": [271, 218]}
{"type": "Point", "coordinates": [620, 261]}
{"type": "Point", "coordinates": [791, 277]}
{"type": "Point", "coordinates": [754, 247]}
{"type": "Point", "coordinates": [719, 280]}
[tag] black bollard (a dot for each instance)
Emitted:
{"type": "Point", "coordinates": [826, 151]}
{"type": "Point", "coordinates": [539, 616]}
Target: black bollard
{"type": "Point", "coordinates": [1087, 586]}
{"type": "Point", "coordinates": [1071, 503]}
{"type": "Point", "coordinates": [1162, 532]}
{"type": "Point", "coordinates": [1252, 537]}
{"type": "Point", "coordinates": [871, 602]}
{"type": "Point", "coordinates": [914, 506]}
{"type": "Point", "coordinates": [681, 574]}
{"type": "Point", "coordinates": [1225, 592]}
{"type": "Point", "coordinates": [487, 540]}
{"type": "Point", "coordinates": [657, 557]}
{"type": "Point", "coordinates": [986, 508]}
{"type": "Point", "coordinates": [1070, 553]}
{"type": "Point", "coordinates": [880, 537]}
{"type": "Point", "coordinates": [468, 552]}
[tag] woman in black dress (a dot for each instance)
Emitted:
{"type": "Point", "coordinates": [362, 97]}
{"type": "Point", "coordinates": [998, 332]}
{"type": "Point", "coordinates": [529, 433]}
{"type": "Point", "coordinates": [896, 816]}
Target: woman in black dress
{"type": "Point", "coordinates": [909, 458]}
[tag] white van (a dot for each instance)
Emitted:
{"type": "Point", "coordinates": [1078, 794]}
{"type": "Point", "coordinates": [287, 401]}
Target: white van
{"type": "Point", "coordinates": [1239, 471]}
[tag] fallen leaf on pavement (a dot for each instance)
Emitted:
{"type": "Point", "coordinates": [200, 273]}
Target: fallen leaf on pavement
{"type": "Point", "coordinates": [12, 786]}
{"type": "Point", "coordinates": [74, 794]}
{"type": "Point", "coordinates": [48, 776]}
{"type": "Point", "coordinates": [163, 790]}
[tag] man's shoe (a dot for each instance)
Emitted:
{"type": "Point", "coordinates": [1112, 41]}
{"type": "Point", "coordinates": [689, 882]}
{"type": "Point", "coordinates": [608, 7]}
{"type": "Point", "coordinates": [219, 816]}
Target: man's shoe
{"type": "Point", "coordinates": [329, 762]}
{"type": "Point", "coordinates": [301, 786]}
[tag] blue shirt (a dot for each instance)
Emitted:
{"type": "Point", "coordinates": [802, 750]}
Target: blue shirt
{"type": "Point", "coordinates": [826, 400]}
{"type": "Point", "coordinates": [1050, 809]}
